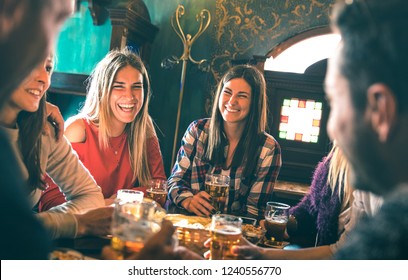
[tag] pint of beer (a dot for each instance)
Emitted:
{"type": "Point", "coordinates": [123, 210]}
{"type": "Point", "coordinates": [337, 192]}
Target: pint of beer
{"type": "Point", "coordinates": [217, 186]}
{"type": "Point", "coordinates": [157, 190]}
{"type": "Point", "coordinates": [276, 218]}
{"type": "Point", "coordinates": [226, 232]}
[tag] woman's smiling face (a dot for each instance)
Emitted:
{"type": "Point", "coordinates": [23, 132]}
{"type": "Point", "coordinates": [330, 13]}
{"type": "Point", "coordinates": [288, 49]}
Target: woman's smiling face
{"type": "Point", "coordinates": [28, 95]}
{"type": "Point", "coordinates": [235, 101]}
{"type": "Point", "coordinates": [127, 95]}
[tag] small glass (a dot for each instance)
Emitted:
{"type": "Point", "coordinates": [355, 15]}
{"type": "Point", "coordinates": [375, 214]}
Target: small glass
{"type": "Point", "coordinates": [226, 231]}
{"type": "Point", "coordinates": [217, 186]}
{"type": "Point", "coordinates": [276, 219]}
{"type": "Point", "coordinates": [157, 190]}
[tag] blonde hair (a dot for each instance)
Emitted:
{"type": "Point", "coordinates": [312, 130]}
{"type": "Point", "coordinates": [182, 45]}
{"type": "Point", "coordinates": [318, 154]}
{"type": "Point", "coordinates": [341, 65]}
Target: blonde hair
{"type": "Point", "coordinates": [338, 176]}
{"type": "Point", "coordinates": [97, 109]}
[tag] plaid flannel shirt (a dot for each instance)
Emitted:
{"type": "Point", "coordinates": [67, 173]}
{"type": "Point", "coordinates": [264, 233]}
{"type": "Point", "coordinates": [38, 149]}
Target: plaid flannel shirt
{"type": "Point", "coordinates": [246, 195]}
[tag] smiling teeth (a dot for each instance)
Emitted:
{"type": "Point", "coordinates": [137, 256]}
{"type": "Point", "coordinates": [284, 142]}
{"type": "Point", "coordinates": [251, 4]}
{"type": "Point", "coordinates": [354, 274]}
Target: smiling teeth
{"type": "Point", "coordinates": [36, 92]}
{"type": "Point", "coordinates": [231, 110]}
{"type": "Point", "coordinates": [127, 106]}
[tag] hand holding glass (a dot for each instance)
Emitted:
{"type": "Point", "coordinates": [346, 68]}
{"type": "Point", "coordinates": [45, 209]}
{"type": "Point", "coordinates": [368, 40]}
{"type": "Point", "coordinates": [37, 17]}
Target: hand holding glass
{"type": "Point", "coordinates": [217, 186]}
{"type": "Point", "coordinates": [226, 231]}
{"type": "Point", "coordinates": [157, 190]}
{"type": "Point", "coordinates": [276, 218]}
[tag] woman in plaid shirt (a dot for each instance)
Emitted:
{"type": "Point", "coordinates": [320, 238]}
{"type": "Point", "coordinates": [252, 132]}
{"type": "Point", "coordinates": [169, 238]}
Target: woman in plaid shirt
{"type": "Point", "coordinates": [232, 142]}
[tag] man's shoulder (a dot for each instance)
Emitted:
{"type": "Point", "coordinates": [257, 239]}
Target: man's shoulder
{"type": "Point", "coordinates": [383, 236]}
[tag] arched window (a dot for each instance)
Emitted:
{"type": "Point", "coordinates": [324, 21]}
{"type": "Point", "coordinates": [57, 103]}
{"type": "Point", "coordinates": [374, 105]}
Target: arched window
{"type": "Point", "coordinates": [298, 109]}
{"type": "Point", "coordinates": [299, 52]}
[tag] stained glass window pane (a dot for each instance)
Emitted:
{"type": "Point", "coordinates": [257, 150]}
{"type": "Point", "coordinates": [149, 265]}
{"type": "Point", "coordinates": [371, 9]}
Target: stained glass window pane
{"type": "Point", "coordinates": [300, 120]}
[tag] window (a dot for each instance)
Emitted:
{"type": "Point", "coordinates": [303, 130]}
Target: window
{"type": "Point", "coordinates": [302, 54]}
{"type": "Point", "coordinates": [300, 120]}
{"type": "Point", "coordinates": [298, 110]}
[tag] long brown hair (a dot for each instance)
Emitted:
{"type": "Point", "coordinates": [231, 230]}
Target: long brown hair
{"type": "Point", "coordinates": [247, 149]}
{"type": "Point", "coordinates": [31, 125]}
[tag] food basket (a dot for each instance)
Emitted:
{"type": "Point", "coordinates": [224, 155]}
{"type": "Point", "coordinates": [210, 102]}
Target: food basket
{"type": "Point", "coordinates": [192, 231]}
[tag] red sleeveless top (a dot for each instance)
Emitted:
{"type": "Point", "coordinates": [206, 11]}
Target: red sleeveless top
{"type": "Point", "coordinates": [110, 167]}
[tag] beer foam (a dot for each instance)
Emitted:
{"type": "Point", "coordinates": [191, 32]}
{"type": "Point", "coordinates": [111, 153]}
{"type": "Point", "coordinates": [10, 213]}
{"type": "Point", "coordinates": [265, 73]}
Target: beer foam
{"type": "Point", "coordinates": [228, 230]}
{"type": "Point", "coordinates": [277, 220]}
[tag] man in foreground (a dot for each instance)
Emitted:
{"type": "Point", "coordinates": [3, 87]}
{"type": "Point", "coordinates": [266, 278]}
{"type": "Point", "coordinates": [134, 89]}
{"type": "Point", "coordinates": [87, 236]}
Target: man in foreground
{"type": "Point", "coordinates": [367, 88]}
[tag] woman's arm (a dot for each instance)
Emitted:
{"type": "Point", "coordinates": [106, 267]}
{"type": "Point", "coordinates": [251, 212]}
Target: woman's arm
{"type": "Point", "coordinates": [256, 253]}
{"type": "Point", "coordinates": [155, 159]}
{"type": "Point", "coordinates": [82, 193]}
{"type": "Point", "coordinates": [180, 178]}
{"type": "Point", "coordinates": [180, 181]}
{"type": "Point", "coordinates": [64, 167]}
{"type": "Point", "coordinates": [307, 210]}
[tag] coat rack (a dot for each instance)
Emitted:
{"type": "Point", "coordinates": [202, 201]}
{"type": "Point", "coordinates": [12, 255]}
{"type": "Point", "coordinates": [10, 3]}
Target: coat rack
{"type": "Point", "coordinates": [204, 17]}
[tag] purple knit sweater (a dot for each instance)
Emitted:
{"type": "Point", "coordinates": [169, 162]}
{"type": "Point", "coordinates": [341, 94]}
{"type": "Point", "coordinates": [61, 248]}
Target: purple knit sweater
{"type": "Point", "coordinates": [319, 210]}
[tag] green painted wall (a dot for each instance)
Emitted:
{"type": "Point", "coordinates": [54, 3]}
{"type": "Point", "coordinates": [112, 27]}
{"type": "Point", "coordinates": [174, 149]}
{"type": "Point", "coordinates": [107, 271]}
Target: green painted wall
{"type": "Point", "coordinates": [81, 44]}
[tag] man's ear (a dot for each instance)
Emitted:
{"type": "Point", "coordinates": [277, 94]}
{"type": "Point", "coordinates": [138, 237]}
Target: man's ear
{"type": "Point", "coordinates": [381, 109]}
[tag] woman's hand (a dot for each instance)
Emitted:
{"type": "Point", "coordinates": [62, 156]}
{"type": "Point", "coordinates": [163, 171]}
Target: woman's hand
{"type": "Point", "coordinates": [199, 204]}
{"type": "Point", "coordinates": [54, 116]}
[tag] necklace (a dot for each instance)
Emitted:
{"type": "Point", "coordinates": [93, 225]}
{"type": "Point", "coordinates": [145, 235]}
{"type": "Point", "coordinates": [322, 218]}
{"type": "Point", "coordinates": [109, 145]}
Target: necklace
{"type": "Point", "coordinates": [116, 143]}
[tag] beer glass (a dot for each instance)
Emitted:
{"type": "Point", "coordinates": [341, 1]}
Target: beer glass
{"type": "Point", "coordinates": [157, 190]}
{"type": "Point", "coordinates": [276, 218]}
{"type": "Point", "coordinates": [226, 231]}
{"type": "Point", "coordinates": [132, 224]}
{"type": "Point", "coordinates": [217, 186]}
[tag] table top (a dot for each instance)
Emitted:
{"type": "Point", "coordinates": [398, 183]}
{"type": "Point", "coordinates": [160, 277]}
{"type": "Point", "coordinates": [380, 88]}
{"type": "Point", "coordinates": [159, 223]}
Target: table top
{"type": "Point", "coordinates": [90, 246]}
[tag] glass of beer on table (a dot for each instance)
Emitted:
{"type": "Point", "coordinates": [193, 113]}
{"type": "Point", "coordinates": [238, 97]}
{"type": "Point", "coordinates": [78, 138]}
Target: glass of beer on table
{"type": "Point", "coordinates": [276, 218]}
{"type": "Point", "coordinates": [157, 190]}
{"type": "Point", "coordinates": [217, 186]}
{"type": "Point", "coordinates": [226, 231]}
{"type": "Point", "coordinates": [132, 224]}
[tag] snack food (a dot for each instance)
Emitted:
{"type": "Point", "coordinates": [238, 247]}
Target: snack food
{"type": "Point", "coordinates": [253, 234]}
{"type": "Point", "coordinates": [192, 231]}
{"type": "Point", "coordinates": [65, 254]}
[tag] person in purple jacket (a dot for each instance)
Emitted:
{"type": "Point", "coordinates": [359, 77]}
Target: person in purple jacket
{"type": "Point", "coordinates": [320, 219]}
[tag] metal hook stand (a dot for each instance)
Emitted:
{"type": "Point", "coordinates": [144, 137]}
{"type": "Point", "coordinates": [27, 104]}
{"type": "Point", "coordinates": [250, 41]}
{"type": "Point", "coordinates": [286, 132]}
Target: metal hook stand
{"type": "Point", "coordinates": [204, 17]}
